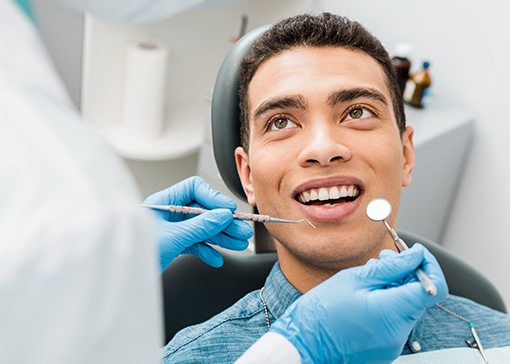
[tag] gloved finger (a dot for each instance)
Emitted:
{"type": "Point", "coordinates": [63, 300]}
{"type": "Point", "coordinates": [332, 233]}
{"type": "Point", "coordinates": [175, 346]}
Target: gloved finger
{"type": "Point", "coordinates": [201, 227]}
{"type": "Point", "coordinates": [431, 267]}
{"type": "Point", "coordinates": [179, 194]}
{"type": "Point", "coordinates": [411, 296]}
{"type": "Point", "coordinates": [208, 254]}
{"type": "Point", "coordinates": [188, 191]}
{"type": "Point", "coordinates": [433, 270]}
{"type": "Point", "coordinates": [175, 237]}
{"type": "Point", "coordinates": [408, 300]}
{"type": "Point", "coordinates": [228, 242]}
{"type": "Point", "coordinates": [239, 229]}
{"type": "Point", "coordinates": [386, 253]}
{"type": "Point", "coordinates": [160, 198]}
{"type": "Point", "coordinates": [393, 268]}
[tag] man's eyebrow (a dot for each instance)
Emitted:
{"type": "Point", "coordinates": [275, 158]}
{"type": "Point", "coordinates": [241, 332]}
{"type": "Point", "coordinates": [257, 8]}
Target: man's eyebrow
{"type": "Point", "coordinates": [295, 102]}
{"type": "Point", "coordinates": [355, 93]}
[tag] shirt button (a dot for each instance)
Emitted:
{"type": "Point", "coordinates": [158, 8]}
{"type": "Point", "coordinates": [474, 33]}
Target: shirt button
{"type": "Point", "coordinates": [416, 346]}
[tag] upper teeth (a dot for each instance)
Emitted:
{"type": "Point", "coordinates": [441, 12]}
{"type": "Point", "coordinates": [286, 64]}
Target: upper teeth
{"type": "Point", "coordinates": [327, 193]}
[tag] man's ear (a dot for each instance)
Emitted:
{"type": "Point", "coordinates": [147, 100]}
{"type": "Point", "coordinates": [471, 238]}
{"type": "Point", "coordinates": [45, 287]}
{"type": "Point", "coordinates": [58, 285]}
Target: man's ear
{"type": "Point", "coordinates": [408, 153]}
{"type": "Point", "coordinates": [244, 172]}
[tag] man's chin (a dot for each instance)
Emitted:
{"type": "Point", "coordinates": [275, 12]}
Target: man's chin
{"type": "Point", "coordinates": [323, 257]}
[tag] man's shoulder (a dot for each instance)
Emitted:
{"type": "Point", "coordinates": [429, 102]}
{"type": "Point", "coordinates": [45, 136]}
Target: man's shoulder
{"type": "Point", "coordinates": [446, 326]}
{"type": "Point", "coordinates": [222, 338]}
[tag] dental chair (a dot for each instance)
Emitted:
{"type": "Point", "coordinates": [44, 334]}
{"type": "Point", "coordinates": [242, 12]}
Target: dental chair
{"type": "Point", "coordinates": [194, 292]}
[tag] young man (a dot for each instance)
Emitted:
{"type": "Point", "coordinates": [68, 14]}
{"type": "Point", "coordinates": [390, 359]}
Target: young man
{"type": "Point", "coordinates": [323, 133]}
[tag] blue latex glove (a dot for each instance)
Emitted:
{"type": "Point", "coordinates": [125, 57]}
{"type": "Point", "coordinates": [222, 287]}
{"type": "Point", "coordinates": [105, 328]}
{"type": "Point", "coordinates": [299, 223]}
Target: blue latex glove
{"type": "Point", "coordinates": [363, 314]}
{"type": "Point", "coordinates": [189, 234]}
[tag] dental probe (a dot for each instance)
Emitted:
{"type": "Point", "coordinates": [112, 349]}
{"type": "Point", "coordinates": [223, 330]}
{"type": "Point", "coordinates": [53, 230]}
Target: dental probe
{"type": "Point", "coordinates": [378, 210]}
{"type": "Point", "coordinates": [237, 215]}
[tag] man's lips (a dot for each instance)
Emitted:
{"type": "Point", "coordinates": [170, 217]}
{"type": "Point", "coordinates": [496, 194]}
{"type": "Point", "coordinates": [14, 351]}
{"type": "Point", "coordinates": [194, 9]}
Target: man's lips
{"type": "Point", "coordinates": [329, 199]}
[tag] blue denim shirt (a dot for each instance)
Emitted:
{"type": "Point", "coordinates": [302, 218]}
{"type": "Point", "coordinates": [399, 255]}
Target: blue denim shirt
{"type": "Point", "coordinates": [225, 337]}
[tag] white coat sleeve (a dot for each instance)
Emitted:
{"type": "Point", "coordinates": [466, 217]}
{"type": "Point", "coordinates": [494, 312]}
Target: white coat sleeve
{"type": "Point", "coordinates": [271, 348]}
{"type": "Point", "coordinates": [140, 11]}
{"type": "Point", "coordinates": [79, 280]}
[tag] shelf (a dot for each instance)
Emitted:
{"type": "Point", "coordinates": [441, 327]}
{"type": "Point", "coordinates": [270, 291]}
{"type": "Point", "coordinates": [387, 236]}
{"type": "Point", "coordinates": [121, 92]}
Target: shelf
{"type": "Point", "coordinates": [183, 135]}
{"type": "Point", "coordinates": [438, 118]}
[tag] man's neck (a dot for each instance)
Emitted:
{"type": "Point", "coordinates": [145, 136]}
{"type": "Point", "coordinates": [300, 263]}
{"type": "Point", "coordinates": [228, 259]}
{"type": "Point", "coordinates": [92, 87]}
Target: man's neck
{"type": "Point", "coordinates": [300, 273]}
{"type": "Point", "coordinates": [304, 275]}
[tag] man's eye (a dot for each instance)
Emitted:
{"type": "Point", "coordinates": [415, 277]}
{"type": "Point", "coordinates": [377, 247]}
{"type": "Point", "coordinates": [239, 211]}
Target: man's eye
{"type": "Point", "coordinates": [281, 123]}
{"type": "Point", "coordinates": [359, 113]}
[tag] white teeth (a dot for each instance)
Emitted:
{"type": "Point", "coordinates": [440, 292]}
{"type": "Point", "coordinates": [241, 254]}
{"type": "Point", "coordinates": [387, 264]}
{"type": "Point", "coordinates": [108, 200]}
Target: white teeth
{"type": "Point", "coordinates": [329, 193]}
{"type": "Point", "coordinates": [323, 194]}
{"type": "Point", "coordinates": [334, 193]}
{"type": "Point", "coordinates": [343, 192]}
{"type": "Point", "coordinates": [350, 191]}
{"type": "Point", "coordinates": [305, 196]}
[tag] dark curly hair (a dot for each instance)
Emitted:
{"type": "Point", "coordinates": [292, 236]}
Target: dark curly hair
{"type": "Point", "coordinates": [307, 30]}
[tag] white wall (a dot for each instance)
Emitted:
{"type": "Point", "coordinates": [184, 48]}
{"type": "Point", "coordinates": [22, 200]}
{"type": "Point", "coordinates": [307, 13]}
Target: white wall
{"type": "Point", "coordinates": [198, 40]}
{"type": "Point", "coordinates": [468, 44]}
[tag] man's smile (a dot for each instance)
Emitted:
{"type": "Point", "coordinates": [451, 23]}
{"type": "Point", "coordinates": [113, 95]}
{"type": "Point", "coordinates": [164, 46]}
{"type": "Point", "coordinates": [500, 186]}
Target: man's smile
{"type": "Point", "coordinates": [329, 196]}
{"type": "Point", "coordinates": [329, 199]}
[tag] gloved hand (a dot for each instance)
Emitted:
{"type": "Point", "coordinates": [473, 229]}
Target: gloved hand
{"type": "Point", "coordinates": [188, 234]}
{"type": "Point", "coordinates": [363, 314]}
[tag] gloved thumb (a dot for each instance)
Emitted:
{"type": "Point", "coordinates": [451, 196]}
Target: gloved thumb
{"type": "Point", "coordinates": [391, 267]}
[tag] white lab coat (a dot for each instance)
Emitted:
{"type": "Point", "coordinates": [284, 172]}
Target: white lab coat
{"type": "Point", "coordinates": [78, 275]}
{"type": "Point", "coordinates": [78, 269]}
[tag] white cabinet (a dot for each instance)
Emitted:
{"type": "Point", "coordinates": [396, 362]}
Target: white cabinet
{"type": "Point", "coordinates": [443, 135]}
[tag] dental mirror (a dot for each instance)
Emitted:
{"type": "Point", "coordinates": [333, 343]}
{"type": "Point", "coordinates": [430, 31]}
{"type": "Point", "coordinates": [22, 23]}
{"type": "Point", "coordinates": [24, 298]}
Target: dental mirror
{"type": "Point", "coordinates": [378, 209]}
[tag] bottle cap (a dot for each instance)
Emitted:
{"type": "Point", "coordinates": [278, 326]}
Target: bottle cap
{"type": "Point", "coordinates": [403, 49]}
{"type": "Point", "coordinates": [426, 64]}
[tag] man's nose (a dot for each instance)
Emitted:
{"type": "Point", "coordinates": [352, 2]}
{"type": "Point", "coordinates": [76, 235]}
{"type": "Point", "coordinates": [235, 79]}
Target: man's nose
{"type": "Point", "coordinates": [324, 144]}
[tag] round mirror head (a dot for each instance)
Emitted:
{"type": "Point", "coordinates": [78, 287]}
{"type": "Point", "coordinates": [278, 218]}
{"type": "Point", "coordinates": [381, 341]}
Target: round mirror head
{"type": "Point", "coordinates": [378, 209]}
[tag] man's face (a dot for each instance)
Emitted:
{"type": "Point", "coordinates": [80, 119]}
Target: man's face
{"type": "Point", "coordinates": [323, 143]}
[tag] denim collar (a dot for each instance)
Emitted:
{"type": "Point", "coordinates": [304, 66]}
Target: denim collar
{"type": "Point", "coordinates": [278, 293]}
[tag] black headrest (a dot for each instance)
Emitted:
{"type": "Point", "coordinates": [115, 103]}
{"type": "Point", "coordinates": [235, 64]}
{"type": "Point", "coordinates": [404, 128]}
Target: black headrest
{"type": "Point", "coordinates": [225, 112]}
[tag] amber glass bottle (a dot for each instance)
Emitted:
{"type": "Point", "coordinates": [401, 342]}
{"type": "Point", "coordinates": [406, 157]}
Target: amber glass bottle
{"type": "Point", "coordinates": [418, 87]}
{"type": "Point", "coordinates": [402, 64]}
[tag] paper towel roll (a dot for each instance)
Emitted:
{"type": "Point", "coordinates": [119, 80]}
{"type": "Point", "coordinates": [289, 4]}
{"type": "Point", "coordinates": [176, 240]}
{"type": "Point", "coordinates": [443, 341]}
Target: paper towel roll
{"type": "Point", "coordinates": [144, 88]}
